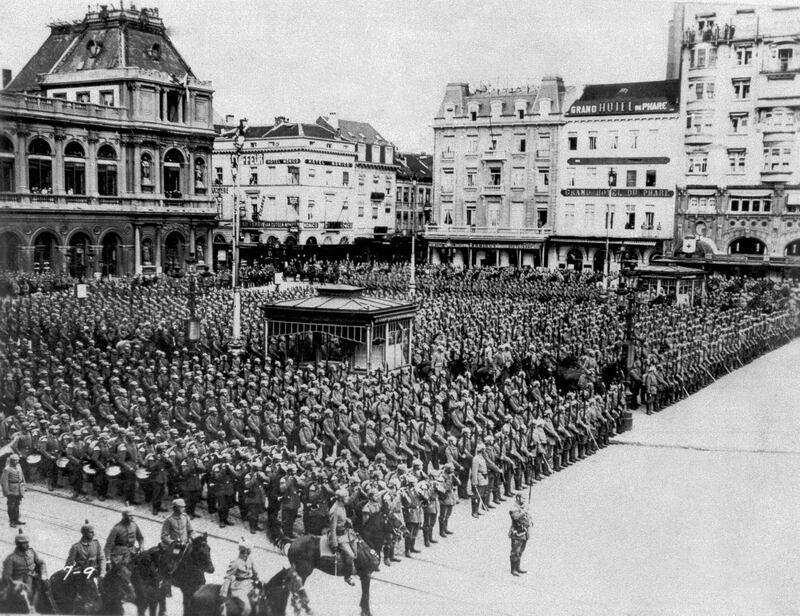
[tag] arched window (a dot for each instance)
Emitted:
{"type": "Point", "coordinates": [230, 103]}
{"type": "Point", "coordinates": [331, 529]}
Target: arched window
{"type": "Point", "coordinates": [74, 169]}
{"type": "Point", "coordinates": [6, 164]}
{"type": "Point", "coordinates": [747, 246]}
{"type": "Point", "coordinates": [200, 176]}
{"type": "Point", "coordinates": [173, 181]}
{"type": "Point", "coordinates": [40, 166]}
{"type": "Point", "coordinates": [146, 166]}
{"type": "Point", "coordinates": [792, 249]}
{"type": "Point", "coordinates": [106, 170]}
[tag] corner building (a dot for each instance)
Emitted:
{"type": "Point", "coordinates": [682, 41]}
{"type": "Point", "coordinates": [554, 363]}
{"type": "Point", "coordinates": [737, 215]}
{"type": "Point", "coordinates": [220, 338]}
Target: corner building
{"type": "Point", "coordinates": [739, 199]}
{"type": "Point", "coordinates": [105, 143]}
{"type": "Point", "coordinates": [618, 166]}
{"type": "Point", "coordinates": [494, 176]}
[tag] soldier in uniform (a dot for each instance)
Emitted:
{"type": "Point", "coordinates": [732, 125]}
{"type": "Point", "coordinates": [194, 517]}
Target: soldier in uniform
{"type": "Point", "coordinates": [13, 484]}
{"type": "Point", "coordinates": [338, 525]}
{"type": "Point", "coordinates": [239, 579]}
{"type": "Point", "coordinates": [24, 565]}
{"type": "Point", "coordinates": [479, 475]}
{"type": "Point", "coordinates": [85, 561]}
{"type": "Point", "coordinates": [121, 543]}
{"type": "Point", "coordinates": [176, 531]}
{"type": "Point", "coordinates": [518, 533]}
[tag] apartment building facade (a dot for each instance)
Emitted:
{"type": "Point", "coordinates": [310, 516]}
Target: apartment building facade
{"type": "Point", "coordinates": [495, 173]}
{"type": "Point", "coordinates": [620, 156]}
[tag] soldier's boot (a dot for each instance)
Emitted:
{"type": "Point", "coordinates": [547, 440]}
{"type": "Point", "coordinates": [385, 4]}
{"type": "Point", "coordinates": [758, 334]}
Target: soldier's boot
{"type": "Point", "coordinates": [392, 557]}
{"type": "Point", "coordinates": [442, 528]}
{"type": "Point", "coordinates": [430, 535]}
{"type": "Point", "coordinates": [408, 547]}
{"type": "Point", "coordinates": [414, 549]}
{"type": "Point", "coordinates": [386, 553]}
{"type": "Point", "coordinates": [514, 567]}
{"type": "Point", "coordinates": [426, 537]}
{"type": "Point", "coordinates": [518, 569]}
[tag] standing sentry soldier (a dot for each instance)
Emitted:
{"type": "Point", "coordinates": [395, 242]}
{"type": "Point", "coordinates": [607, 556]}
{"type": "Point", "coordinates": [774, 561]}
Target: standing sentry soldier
{"type": "Point", "coordinates": [13, 484]}
{"type": "Point", "coordinates": [518, 533]}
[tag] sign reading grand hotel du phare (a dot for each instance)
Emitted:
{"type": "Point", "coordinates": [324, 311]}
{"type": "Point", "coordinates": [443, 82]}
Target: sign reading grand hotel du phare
{"type": "Point", "coordinates": [621, 107]}
{"type": "Point", "coordinates": [617, 192]}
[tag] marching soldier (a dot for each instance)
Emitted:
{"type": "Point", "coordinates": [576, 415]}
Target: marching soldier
{"type": "Point", "coordinates": [121, 543]}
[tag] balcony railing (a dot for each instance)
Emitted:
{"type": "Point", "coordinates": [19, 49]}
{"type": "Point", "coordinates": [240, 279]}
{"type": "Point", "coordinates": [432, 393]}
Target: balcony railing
{"type": "Point", "coordinates": [81, 203]}
{"type": "Point", "coordinates": [475, 232]}
{"type": "Point", "coordinates": [58, 106]}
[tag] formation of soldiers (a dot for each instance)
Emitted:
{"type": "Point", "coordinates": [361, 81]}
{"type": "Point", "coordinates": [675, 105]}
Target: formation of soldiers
{"type": "Point", "coordinates": [107, 395]}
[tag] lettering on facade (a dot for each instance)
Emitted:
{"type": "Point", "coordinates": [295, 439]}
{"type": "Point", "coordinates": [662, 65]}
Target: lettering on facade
{"type": "Point", "coordinates": [327, 163]}
{"type": "Point", "coordinates": [622, 107]}
{"type": "Point", "coordinates": [338, 224]}
{"type": "Point", "coordinates": [292, 225]}
{"type": "Point", "coordinates": [617, 192]}
{"type": "Point", "coordinates": [257, 158]}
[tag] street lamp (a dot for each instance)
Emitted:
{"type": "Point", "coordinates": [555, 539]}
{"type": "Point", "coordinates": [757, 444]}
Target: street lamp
{"type": "Point", "coordinates": [627, 287]}
{"type": "Point", "coordinates": [612, 181]}
{"type": "Point", "coordinates": [235, 345]}
{"type": "Point", "coordinates": [412, 283]}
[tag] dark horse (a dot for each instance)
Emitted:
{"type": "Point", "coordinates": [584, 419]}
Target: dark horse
{"type": "Point", "coordinates": [304, 552]}
{"type": "Point", "coordinates": [72, 592]}
{"type": "Point", "coordinates": [270, 599]}
{"type": "Point", "coordinates": [156, 570]}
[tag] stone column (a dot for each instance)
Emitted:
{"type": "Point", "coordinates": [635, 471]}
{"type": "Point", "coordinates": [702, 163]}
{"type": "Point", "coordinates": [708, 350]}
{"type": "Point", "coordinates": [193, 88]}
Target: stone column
{"type": "Point", "coordinates": [162, 109]}
{"type": "Point", "coordinates": [192, 247]}
{"type": "Point", "coordinates": [157, 250]}
{"type": "Point", "coordinates": [190, 174]}
{"type": "Point", "coordinates": [60, 264]}
{"type": "Point", "coordinates": [94, 262]}
{"type": "Point", "coordinates": [20, 161]}
{"type": "Point", "coordinates": [58, 161]}
{"type": "Point", "coordinates": [157, 170]}
{"type": "Point", "coordinates": [210, 249]}
{"type": "Point", "coordinates": [91, 165]}
{"type": "Point", "coordinates": [137, 250]}
{"type": "Point", "coordinates": [26, 258]}
{"type": "Point", "coordinates": [137, 169]}
{"type": "Point", "coordinates": [122, 169]}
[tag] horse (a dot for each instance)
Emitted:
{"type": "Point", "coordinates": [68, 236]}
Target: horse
{"type": "Point", "coordinates": [270, 598]}
{"type": "Point", "coordinates": [189, 572]}
{"type": "Point", "coordinates": [19, 599]}
{"type": "Point", "coordinates": [148, 570]}
{"type": "Point", "coordinates": [305, 552]}
{"type": "Point", "coordinates": [72, 592]}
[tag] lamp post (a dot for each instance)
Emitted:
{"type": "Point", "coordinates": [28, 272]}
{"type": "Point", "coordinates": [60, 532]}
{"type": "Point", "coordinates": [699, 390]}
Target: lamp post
{"type": "Point", "coordinates": [412, 283]}
{"type": "Point", "coordinates": [627, 287]}
{"type": "Point", "coordinates": [235, 345]}
{"type": "Point", "coordinates": [612, 181]}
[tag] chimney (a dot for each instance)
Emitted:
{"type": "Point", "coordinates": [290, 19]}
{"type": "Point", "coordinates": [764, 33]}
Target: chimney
{"type": "Point", "coordinates": [333, 120]}
{"type": "Point", "coordinates": [6, 77]}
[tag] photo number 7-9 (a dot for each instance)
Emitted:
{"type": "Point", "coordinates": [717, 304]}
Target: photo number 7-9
{"type": "Point", "coordinates": [72, 570]}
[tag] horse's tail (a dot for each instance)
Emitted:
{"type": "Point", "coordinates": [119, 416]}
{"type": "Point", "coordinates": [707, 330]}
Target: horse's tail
{"type": "Point", "coordinates": [300, 600]}
{"type": "Point", "coordinates": [276, 535]}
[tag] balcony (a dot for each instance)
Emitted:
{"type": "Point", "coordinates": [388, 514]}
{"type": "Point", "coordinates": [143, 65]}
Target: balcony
{"type": "Point", "coordinates": [22, 202]}
{"type": "Point", "coordinates": [493, 189]}
{"type": "Point", "coordinates": [55, 106]}
{"type": "Point", "coordinates": [473, 232]}
{"type": "Point", "coordinates": [543, 154]}
{"type": "Point", "coordinates": [448, 155]}
{"type": "Point", "coordinates": [782, 175]}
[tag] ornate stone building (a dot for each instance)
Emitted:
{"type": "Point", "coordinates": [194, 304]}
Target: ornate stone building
{"type": "Point", "coordinates": [105, 143]}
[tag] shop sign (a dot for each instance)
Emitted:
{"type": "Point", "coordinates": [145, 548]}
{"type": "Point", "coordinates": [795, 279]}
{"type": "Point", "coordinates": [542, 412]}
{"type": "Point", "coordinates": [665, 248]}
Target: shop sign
{"type": "Point", "coordinates": [611, 107]}
{"type": "Point", "coordinates": [617, 192]}
{"type": "Point", "coordinates": [258, 158]}
{"type": "Point", "coordinates": [327, 163]}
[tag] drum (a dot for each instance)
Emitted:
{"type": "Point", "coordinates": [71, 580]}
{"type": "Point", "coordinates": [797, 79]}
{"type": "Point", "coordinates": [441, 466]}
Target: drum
{"type": "Point", "coordinates": [89, 470]}
{"type": "Point", "coordinates": [142, 473]}
{"type": "Point", "coordinates": [33, 458]}
{"type": "Point", "coordinates": [113, 471]}
{"type": "Point", "coordinates": [62, 462]}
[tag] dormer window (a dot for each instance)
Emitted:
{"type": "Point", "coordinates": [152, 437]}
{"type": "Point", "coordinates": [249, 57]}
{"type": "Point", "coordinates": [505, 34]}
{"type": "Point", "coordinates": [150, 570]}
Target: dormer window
{"type": "Point", "coordinates": [155, 51]}
{"type": "Point", "coordinates": [497, 109]}
{"type": "Point", "coordinates": [93, 48]}
{"type": "Point", "coordinates": [545, 106]}
{"type": "Point", "coordinates": [520, 107]}
{"type": "Point", "coordinates": [473, 111]}
{"type": "Point", "coordinates": [449, 111]}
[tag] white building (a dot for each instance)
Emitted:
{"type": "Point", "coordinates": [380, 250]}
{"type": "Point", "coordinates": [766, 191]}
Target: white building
{"type": "Point", "coordinates": [739, 198]}
{"type": "Point", "coordinates": [301, 184]}
{"type": "Point", "coordinates": [619, 161]}
{"type": "Point", "coordinates": [495, 173]}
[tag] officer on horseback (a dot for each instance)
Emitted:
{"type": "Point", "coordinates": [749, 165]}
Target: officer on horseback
{"type": "Point", "coordinates": [86, 559]}
{"type": "Point", "coordinates": [240, 578]}
{"type": "Point", "coordinates": [24, 566]}
{"type": "Point", "coordinates": [177, 528]}
{"type": "Point", "coordinates": [122, 540]}
{"type": "Point", "coordinates": [338, 538]}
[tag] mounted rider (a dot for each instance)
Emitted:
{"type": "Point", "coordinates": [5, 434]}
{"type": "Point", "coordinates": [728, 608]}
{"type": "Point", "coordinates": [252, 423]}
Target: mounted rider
{"type": "Point", "coordinates": [122, 540]}
{"type": "Point", "coordinates": [240, 578]}
{"type": "Point", "coordinates": [24, 565]}
{"type": "Point", "coordinates": [338, 535]}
